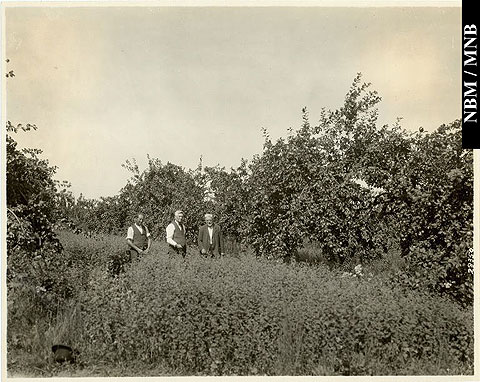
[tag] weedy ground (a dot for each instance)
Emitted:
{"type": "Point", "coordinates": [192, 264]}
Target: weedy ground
{"type": "Point", "coordinates": [239, 315]}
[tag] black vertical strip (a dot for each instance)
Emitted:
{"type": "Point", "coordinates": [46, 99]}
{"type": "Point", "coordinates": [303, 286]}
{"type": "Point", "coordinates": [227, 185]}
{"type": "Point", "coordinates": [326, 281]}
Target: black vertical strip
{"type": "Point", "coordinates": [470, 132]}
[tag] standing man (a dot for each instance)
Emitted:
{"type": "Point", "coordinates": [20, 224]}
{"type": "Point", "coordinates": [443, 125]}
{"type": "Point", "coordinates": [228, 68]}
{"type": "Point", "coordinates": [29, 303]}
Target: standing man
{"type": "Point", "coordinates": [138, 238]}
{"type": "Point", "coordinates": [210, 238]}
{"type": "Point", "coordinates": [176, 239]}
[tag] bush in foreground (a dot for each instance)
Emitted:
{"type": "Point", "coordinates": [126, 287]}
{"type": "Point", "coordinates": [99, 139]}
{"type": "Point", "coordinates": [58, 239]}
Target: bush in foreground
{"type": "Point", "coordinates": [231, 316]}
{"type": "Point", "coordinates": [248, 316]}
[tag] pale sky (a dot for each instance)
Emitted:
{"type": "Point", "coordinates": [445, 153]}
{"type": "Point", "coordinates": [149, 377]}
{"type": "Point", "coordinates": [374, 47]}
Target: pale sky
{"type": "Point", "coordinates": [109, 84]}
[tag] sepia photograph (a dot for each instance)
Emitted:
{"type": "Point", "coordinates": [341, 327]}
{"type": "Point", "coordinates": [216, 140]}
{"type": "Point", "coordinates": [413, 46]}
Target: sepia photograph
{"type": "Point", "coordinates": [233, 190]}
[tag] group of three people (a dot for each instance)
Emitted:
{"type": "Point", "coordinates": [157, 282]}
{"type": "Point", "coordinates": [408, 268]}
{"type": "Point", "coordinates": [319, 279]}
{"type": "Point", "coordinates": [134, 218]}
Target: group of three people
{"type": "Point", "coordinates": [210, 239]}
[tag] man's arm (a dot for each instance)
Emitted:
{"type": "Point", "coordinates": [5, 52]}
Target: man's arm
{"type": "Point", "coordinates": [200, 239]}
{"type": "Point", "coordinates": [185, 232]}
{"type": "Point", "coordinates": [148, 244]}
{"type": "Point", "coordinates": [149, 240]}
{"type": "Point", "coordinates": [221, 242]}
{"type": "Point", "coordinates": [170, 231]}
{"type": "Point", "coordinates": [130, 240]}
{"type": "Point", "coordinates": [130, 243]}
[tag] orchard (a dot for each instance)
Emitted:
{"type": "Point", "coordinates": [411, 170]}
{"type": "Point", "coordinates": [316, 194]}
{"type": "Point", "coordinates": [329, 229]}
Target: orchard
{"type": "Point", "coordinates": [338, 193]}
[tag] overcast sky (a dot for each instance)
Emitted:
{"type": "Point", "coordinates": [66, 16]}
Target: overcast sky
{"type": "Point", "coordinates": [109, 84]}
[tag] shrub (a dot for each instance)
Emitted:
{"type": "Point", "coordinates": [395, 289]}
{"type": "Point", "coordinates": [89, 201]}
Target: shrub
{"type": "Point", "coordinates": [34, 265]}
{"type": "Point", "coordinates": [431, 199]}
{"type": "Point", "coordinates": [41, 289]}
{"type": "Point", "coordinates": [231, 316]}
{"type": "Point", "coordinates": [31, 197]}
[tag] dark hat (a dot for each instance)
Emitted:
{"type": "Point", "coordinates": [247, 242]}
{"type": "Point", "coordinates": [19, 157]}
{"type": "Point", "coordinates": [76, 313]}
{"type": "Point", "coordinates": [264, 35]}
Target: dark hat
{"type": "Point", "coordinates": [63, 353]}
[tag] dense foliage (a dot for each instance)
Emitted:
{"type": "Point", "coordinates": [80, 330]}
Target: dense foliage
{"type": "Point", "coordinates": [306, 188]}
{"type": "Point", "coordinates": [33, 248]}
{"type": "Point", "coordinates": [359, 191]}
{"type": "Point", "coordinates": [229, 196]}
{"type": "Point", "coordinates": [348, 191]}
{"type": "Point", "coordinates": [31, 196]}
{"type": "Point", "coordinates": [37, 274]}
{"type": "Point", "coordinates": [41, 315]}
{"type": "Point", "coordinates": [246, 315]}
{"type": "Point", "coordinates": [431, 199]}
{"type": "Point", "coordinates": [355, 189]}
{"type": "Point", "coordinates": [157, 192]}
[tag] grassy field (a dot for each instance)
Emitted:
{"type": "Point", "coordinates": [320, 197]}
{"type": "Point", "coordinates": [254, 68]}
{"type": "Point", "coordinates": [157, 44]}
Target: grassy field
{"type": "Point", "coordinates": [238, 315]}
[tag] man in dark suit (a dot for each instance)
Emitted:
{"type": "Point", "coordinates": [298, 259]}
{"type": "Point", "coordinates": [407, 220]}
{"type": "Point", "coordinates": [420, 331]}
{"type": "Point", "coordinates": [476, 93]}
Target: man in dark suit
{"type": "Point", "coordinates": [210, 238]}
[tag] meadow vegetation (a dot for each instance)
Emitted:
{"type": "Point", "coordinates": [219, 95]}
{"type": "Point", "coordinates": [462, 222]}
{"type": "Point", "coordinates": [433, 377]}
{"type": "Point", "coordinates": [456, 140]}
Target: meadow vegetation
{"type": "Point", "coordinates": [349, 253]}
{"type": "Point", "coordinates": [238, 315]}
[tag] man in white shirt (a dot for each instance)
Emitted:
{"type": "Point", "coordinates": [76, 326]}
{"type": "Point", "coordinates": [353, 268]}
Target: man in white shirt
{"type": "Point", "coordinates": [176, 235]}
{"type": "Point", "coordinates": [138, 238]}
{"type": "Point", "coordinates": [210, 238]}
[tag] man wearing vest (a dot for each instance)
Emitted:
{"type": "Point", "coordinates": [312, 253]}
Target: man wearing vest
{"type": "Point", "coordinates": [210, 238]}
{"type": "Point", "coordinates": [177, 242]}
{"type": "Point", "coordinates": [138, 238]}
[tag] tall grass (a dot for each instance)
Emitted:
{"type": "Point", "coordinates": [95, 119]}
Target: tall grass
{"type": "Point", "coordinates": [238, 315]}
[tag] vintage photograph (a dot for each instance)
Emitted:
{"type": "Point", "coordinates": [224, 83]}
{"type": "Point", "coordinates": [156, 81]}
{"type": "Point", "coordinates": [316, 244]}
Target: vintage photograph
{"type": "Point", "coordinates": [213, 190]}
